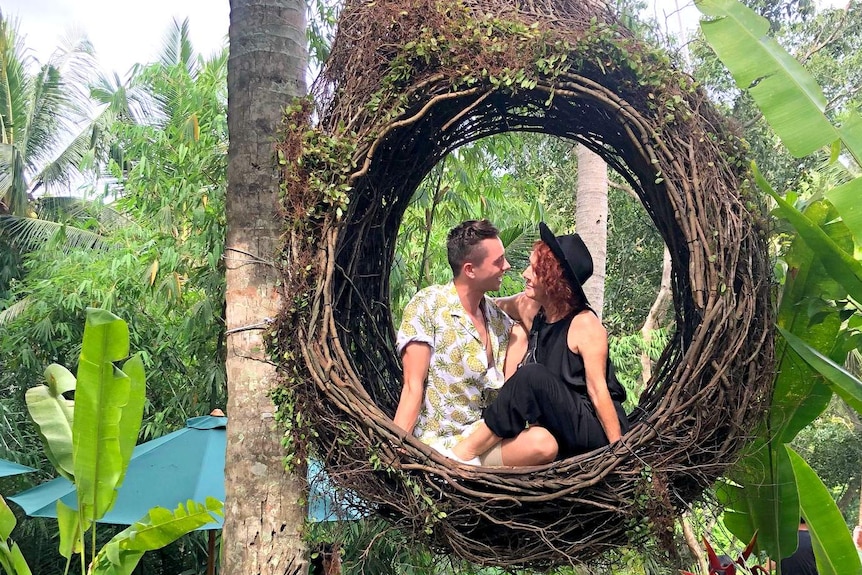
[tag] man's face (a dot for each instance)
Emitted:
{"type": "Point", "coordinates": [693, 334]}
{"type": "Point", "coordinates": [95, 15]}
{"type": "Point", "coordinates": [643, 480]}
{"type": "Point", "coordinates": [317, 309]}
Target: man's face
{"type": "Point", "coordinates": [487, 273]}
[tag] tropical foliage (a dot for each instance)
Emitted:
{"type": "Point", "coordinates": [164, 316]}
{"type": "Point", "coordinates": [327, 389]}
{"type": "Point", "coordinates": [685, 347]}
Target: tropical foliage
{"type": "Point", "coordinates": [819, 307]}
{"type": "Point", "coordinates": [89, 440]}
{"type": "Point", "coordinates": [154, 247]}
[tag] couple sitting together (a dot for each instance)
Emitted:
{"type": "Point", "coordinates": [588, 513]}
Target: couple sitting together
{"type": "Point", "coordinates": [520, 380]}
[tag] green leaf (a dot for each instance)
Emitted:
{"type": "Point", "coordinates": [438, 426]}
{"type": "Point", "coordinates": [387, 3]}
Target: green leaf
{"type": "Point", "coordinates": [789, 97]}
{"type": "Point", "coordinates": [764, 500]}
{"type": "Point", "coordinates": [833, 547]}
{"type": "Point", "coordinates": [133, 413]}
{"type": "Point", "coordinates": [842, 266]}
{"type": "Point", "coordinates": [54, 416]}
{"type": "Point", "coordinates": [799, 397]}
{"type": "Point", "coordinates": [851, 135]}
{"type": "Point", "coordinates": [159, 528]}
{"type": "Point", "coordinates": [11, 558]}
{"type": "Point", "coordinates": [71, 533]}
{"type": "Point", "coordinates": [846, 198]}
{"type": "Point", "coordinates": [843, 382]}
{"type": "Point", "coordinates": [103, 393]}
{"type": "Point", "coordinates": [7, 520]}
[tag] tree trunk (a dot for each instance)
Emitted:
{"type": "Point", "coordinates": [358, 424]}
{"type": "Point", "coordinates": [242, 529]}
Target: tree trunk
{"type": "Point", "coordinates": [266, 69]}
{"type": "Point", "coordinates": [656, 314]}
{"type": "Point", "coordinates": [591, 220]}
{"type": "Point", "coordinates": [693, 544]}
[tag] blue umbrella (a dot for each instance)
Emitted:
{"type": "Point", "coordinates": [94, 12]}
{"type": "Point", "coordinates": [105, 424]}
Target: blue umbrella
{"type": "Point", "coordinates": [8, 468]}
{"type": "Point", "coordinates": [186, 464]}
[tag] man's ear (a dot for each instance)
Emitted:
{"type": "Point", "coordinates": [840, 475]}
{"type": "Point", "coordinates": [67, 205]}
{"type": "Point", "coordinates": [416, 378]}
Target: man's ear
{"type": "Point", "coordinates": [467, 270]}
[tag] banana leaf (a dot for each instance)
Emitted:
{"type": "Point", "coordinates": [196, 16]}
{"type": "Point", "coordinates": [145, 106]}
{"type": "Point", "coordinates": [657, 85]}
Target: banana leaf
{"type": "Point", "coordinates": [844, 383]}
{"type": "Point", "coordinates": [762, 495]}
{"type": "Point", "coordinates": [54, 416]}
{"type": "Point", "coordinates": [102, 400]}
{"type": "Point", "coordinates": [159, 528]}
{"type": "Point", "coordinates": [11, 558]}
{"type": "Point", "coordinates": [834, 550]}
{"type": "Point", "coordinates": [846, 198]}
{"type": "Point", "coordinates": [834, 249]}
{"type": "Point", "coordinates": [788, 95]}
{"type": "Point", "coordinates": [71, 532]}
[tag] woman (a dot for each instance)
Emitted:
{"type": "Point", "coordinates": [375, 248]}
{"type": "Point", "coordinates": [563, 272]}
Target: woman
{"type": "Point", "coordinates": [565, 383]}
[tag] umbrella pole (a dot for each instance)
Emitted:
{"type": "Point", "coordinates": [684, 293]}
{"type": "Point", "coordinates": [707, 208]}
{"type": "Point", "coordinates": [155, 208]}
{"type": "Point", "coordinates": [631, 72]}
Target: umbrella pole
{"type": "Point", "coordinates": [211, 553]}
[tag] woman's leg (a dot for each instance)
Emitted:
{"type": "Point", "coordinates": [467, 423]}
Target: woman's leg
{"type": "Point", "coordinates": [537, 397]}
{"type": "Point", "coordinates": [477, 443]}
{"type": "Point", "coordinates": [533, 446]}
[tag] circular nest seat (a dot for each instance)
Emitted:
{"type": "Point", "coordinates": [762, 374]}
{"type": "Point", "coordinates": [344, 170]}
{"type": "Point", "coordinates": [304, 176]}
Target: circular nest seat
{"type": "Point", "coordinates": [408, 82]}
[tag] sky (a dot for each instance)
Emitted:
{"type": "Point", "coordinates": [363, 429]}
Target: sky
{"type": "Point", "coordinates": [122, 32]}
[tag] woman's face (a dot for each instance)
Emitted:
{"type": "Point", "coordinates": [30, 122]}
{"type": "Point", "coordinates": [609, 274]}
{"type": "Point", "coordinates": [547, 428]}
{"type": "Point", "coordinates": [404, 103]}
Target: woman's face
{"type": "Point", "coordinates": [533, 287]}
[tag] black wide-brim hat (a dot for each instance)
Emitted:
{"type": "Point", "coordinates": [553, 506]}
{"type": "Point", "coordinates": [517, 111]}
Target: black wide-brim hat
{"type": "Point", "coordinates": [574, 257]}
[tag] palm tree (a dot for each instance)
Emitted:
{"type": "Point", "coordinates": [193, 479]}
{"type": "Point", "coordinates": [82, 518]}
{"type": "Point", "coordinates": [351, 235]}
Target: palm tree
{"type": "Point", "coordinates": [266, 70]}
{"type": "Point", "coordinates": [591, 219]}
{"type": "Point", "coordinates": [43, 146]}
{"type": "Point", "coordinates": [41, 110]}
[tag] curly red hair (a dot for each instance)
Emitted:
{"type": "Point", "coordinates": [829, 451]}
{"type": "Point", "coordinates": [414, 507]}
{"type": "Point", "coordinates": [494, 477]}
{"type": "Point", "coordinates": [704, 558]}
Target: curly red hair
{"type": "Point", "coordinates": [549, 273]}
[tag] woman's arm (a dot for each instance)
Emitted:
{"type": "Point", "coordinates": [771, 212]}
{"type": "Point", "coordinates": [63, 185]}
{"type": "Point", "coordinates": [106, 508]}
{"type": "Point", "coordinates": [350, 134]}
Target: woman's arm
{"type": "Point", "coordinates": [588, 338]}
{"type": "Point", "coordinates": [519, 307]}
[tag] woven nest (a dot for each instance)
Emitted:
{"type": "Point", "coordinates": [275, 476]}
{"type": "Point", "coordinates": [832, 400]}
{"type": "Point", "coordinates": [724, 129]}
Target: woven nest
{"type": "Point", "coordinates": [406, 83]}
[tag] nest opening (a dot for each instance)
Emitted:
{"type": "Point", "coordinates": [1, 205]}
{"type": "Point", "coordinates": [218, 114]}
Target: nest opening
{"type": "Point", "coordinates": [385, 116]}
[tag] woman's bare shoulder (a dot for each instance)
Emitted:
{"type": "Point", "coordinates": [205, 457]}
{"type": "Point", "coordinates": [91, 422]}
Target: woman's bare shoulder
{"type": "Point", "coordinates": [586, 327]}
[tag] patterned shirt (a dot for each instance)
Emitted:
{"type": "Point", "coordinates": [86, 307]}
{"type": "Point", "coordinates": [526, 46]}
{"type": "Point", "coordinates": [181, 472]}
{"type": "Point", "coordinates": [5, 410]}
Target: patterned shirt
{"type": "Point", "coordinates": [460, 383]}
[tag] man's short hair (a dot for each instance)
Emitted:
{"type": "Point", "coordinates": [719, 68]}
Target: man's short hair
{"type": "Point", "coordinates": [462, 242]}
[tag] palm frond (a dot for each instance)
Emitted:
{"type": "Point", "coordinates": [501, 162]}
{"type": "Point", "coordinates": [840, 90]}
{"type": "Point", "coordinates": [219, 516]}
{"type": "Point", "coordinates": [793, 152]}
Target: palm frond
{"type": "Point", "coordinates": [58, 103]}
{"type": "Point", "coordinates": [47, 118]}
{"type": "Point", "coordinates": [30, 234]}
{"type": "Point", "coordinates": [60, 171]}
{"type": "Point", "coordinates": [177, 49]}
{"type": "Point", "coordinates": [75, 59]}
{"type": "Point", "coordinates": [80, 212]}
{"type": "Point", "coordinates": [13, 184]}
{"type": "Point", "coordinates": [15, 83]}
{"type": "Point", "coordinates": [7, 157]}
{"type": "Point", "coordinates": [14, 310]}
{"type": "Point", "coordinates": [124, 101]}
{"type": "Point", "coordinates": [519, 240]}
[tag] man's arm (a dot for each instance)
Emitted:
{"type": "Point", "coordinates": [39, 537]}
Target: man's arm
{"type": "Point", "coordinates": [416, 359]}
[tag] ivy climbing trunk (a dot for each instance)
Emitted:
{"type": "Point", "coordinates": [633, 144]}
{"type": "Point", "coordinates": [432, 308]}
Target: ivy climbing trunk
{"type": "Point", "coordinates": [591, 220]}
{"type": "Point", "coordinates": [266, 70]}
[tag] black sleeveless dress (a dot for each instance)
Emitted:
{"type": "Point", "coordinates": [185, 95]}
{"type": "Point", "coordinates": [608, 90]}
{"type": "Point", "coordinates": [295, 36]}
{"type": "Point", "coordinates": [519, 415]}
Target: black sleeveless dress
{"type": "Point", "coordinates": [550, 389]}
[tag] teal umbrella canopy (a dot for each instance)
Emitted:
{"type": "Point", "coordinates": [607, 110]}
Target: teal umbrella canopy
{"type": "Point", "coordinates": [186, 464]}
{"type": "Point", "coordinates": [8, 468]}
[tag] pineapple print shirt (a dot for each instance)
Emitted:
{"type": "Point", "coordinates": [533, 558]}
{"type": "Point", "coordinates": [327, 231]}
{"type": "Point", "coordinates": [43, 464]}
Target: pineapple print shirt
{"type": "Point", "coordinates": [460, 382]}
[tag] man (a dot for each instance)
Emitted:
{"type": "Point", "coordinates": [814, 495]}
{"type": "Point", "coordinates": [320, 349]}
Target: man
{"type": "Point", "coordinates": [452, 342]}
{"type": "Point", "coordinates": [802, 561]}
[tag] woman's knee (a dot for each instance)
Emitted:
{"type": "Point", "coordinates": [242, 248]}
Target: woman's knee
{"type": "Point", "coordinates": [543, 443]}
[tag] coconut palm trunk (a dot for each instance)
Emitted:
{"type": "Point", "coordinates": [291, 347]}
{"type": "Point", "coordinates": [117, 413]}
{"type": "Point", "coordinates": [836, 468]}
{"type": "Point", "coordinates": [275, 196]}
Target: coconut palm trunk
{"type": "Point", "coordinates": [266, 69]}
{"type": "Point", "coordinates": [591, 220]}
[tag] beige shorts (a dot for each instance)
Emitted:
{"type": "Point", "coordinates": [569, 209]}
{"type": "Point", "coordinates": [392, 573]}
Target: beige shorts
{"type": "Point", "coordinates": [493, 457]}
